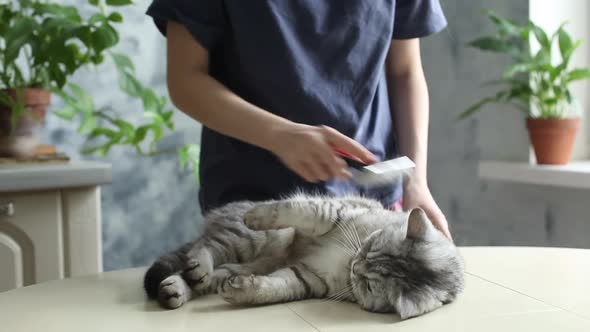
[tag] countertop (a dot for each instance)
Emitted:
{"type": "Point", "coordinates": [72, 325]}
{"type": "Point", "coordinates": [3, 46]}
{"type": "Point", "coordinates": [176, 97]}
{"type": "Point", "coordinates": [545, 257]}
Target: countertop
{"type": "Point", "coordinates": [508, 289]}
{"type": "Point", "coordinates": [24, 177]}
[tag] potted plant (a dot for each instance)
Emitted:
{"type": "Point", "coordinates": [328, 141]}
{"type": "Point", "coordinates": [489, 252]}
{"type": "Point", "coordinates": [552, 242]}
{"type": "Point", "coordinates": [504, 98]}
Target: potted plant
{"type": "Point", "coordinates": [536, 83]}
{"type": "Point", "coordinates": [42, 44]}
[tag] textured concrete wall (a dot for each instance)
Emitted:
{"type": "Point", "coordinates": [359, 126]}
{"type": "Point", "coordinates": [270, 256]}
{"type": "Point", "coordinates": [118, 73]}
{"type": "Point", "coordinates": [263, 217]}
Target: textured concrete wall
{"type": "Point", "coordinates": [152, 205]}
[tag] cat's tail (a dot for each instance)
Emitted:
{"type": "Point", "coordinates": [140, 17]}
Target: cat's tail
{"type": "Point", "coordinates": [162, 268]}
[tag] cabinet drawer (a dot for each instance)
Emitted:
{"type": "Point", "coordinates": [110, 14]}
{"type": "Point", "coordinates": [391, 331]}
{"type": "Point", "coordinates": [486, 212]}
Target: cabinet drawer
{"type": "Point", "coordinates": [35, 227]}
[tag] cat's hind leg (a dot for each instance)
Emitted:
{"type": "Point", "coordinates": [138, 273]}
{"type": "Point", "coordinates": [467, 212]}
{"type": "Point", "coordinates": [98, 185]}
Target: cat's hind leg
{"type": "Point", "coordinates": [292, 283]}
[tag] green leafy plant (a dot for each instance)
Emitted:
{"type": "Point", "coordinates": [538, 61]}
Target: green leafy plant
{"type": "Point", "coordinates": [44, 43]}
{"type": "Point", "coordinates": [536, 83]}
{"type": "Point", "coordinates": [52, 42]}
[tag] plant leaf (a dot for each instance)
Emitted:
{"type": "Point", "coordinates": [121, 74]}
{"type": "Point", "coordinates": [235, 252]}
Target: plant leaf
{"type": "Point", "coordinates": [104, 37]}
{"type": "Point", "coordinates": [565, 44]}
{"type": "Point", "coordinates": [122, 62]}
{"type": "Point", "coordinates": [119, 2]}
{"type": "Point", "coordinates": [84, 101]}
{"type": "Point", "coordinates": [578, 74]}
{"type": "Point", "coordinates": [130, 85]}
{"type": "Point", "coordinates": [556, 71]}
{"type": "Point", "coordinates": [150, 100]}
{"type": "Point", "coordinates": [506, 27]}
{"type": "Point", "coordinates": [16, 37]}
{"type": "Point", "coordinates": [116, 17]}
{"type": "Point", "coordinates": [491, 44]}
{"type": "Point", "coordinates": [478, 106]}
{"type": "Point", "coordinates": [98, 17]}
{"type": "Point", "coordinates": [126, 128]}
{"type": "Point", "coordinates": [140, 134]}
{"type": "Point", "coordinates": [189, 155]}
{"type": "Point", "coordinates": [88, 124]}
{"type": "Point", "coordinates": [541, 36]}
{"type": "Point", "coordinates": [515, 69]}
{"type": "Point", "coordinates": [66, 113]}
{"type": "Point", "coordinates": [103, 132]}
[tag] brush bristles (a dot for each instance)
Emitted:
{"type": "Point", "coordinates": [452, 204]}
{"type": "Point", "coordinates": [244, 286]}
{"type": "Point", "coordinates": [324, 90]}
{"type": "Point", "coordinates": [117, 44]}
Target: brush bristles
{"type": "Point", "coordinates": [392, 165]}
{"type": "Point", "coordinates": [384, 173]}
{"type": "Point", "coordinates": [373, 180]}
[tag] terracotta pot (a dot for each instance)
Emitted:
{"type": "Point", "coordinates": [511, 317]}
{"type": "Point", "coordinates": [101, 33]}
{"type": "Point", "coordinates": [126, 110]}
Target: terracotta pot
{"type": "Point", "coordinates": [21, 141]}
{"type": "Point", "coordinates": [553, 139]}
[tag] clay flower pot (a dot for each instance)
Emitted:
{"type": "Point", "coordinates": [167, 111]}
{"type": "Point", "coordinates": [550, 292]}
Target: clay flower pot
{"type": "Point", "coordinates": [553, 139]}
{"type": "Point", "coordinates": [21, 140]}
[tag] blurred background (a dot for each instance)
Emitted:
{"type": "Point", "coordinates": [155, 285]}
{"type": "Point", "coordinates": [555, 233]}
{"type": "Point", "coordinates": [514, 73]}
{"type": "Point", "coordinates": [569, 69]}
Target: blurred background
{"type": "Point", "coordinates": [152, 206]}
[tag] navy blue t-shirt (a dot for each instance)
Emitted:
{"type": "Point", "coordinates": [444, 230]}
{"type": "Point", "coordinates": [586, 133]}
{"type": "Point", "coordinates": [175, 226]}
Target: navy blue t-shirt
{"type": "Point", "coordinates": [317, 62]}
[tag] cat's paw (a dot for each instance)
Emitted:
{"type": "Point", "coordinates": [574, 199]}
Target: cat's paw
{"type": "Point", "coordinates": [173, 292]}
{"type": "Point", "coordinates": [197, 275]}
{"type": "Point", "coordinates": [239, 289]}
{"type": "Point", "coordinates": [260, 215]}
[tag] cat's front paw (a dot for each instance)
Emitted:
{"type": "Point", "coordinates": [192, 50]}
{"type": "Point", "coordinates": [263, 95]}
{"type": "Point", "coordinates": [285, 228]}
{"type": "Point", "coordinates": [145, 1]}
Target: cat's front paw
{"type": "Point", "coordinates": [239, 289]}
{"type": "Point", "coordinates": [197, 275]}
{"type": "Point", "coordinates": [261, 216]}
{"type": "Point", "coordinates": [173, 292]}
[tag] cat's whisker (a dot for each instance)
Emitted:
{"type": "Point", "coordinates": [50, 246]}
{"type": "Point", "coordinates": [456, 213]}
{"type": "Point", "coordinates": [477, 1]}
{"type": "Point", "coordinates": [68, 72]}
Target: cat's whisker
{"type": "Point", "coordinates": [347, 235]}
{"type": "Point", "coordinates": [358, 238]}
{"type": "Point", "coordinates": [339, 295]}
{"type": "Point", "coordinates": [354, 235]}
{"type": "Point", "coordinates": [344, 247]}
{"type": "Point", "coordinates": [345, 240]}
{"type": "Point", "coordinates": [338, 292]}
{"type": "Point", "coordinates": [365, 230]}
{"type": "Point", "coordinates": [345, 251]}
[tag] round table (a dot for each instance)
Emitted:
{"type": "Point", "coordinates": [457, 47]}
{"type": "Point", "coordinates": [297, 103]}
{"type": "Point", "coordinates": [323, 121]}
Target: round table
{"type": "Point", "coordinates": [508, 289]}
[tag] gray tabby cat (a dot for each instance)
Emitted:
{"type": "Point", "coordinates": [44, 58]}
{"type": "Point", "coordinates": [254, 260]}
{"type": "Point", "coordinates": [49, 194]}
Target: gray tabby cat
{"type": "Point", "coordinates": [349, 249]}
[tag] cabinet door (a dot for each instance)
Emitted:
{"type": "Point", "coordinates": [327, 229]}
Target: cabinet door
{"type": "Point", "coordinates": [37, 216]}
{"type": "Point", "coordinates": [11, 260]}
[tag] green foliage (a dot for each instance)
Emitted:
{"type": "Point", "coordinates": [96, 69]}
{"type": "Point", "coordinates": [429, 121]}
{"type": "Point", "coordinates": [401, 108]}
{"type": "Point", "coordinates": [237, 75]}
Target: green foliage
{"type": "Point", "coordinates": [44, 43]}
{"type": "Point", "coordinates": [535, 83]}
{"type": "Point", "coordinates": [104, 125]}
{"type": "Point", "coordinates": [189, 157]}
{"type": "Point", "coordinates": [53, 41]}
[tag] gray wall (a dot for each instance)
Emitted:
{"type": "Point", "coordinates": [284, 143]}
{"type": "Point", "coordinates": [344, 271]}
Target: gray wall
{"type": "Point", "coordinates": [488, 213]}
{"type": "Point", "coordinates": [152, 206]}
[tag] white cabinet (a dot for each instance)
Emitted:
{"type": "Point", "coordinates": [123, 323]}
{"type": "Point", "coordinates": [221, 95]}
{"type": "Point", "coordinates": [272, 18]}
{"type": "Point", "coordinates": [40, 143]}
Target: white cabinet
{"type": "Point", "coordinates": [51, 228]}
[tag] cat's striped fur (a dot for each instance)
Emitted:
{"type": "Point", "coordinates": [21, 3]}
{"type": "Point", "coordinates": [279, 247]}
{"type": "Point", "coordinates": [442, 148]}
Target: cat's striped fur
{"type": "Point", "coordinates": [303, 247]}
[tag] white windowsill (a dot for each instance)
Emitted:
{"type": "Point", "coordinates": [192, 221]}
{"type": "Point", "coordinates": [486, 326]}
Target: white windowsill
{"type": "Point", "coordinates": [574, 175]}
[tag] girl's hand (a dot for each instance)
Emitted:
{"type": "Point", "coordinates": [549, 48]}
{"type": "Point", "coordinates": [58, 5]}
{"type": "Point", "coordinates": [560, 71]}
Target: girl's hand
{"type": "Point", "coordinates": [417, 194]}
{"type": "Point", "coordinates": [309, 151]}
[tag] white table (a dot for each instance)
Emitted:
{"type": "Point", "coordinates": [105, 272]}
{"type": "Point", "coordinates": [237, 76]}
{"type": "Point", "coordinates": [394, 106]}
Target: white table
{"type": "Point", "coordinates": [508, 289]}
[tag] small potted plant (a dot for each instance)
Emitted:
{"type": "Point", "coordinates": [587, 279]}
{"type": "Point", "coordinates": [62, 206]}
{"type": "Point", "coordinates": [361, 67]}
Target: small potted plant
{"type": "Point", "coordinates": [42, 44]}
{"type": "Point", "coordinates": [536, 83]}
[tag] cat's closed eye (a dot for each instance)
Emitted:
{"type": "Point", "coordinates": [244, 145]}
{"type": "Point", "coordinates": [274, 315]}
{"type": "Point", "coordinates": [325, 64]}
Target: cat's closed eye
{"type": "Point", "coordinates": [372, 286]}
{"type": "Point", "coordinates": [372, 254]}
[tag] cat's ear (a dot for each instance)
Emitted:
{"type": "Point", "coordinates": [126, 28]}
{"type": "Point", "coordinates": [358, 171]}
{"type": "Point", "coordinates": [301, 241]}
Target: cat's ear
{"type": "Point", "coordinates": [418, 224]}
{"type": "Point", "coordinates": [409, 306]}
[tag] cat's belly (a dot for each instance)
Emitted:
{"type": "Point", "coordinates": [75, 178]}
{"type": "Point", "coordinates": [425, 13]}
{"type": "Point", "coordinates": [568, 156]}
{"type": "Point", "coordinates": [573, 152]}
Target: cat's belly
{"type": "Point", "coordinates": [331, 262]}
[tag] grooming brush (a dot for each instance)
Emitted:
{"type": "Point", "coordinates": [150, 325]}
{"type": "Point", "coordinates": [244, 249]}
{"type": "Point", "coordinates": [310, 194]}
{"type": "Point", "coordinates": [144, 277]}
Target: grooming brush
{"type": "Point", "coordinates": [376, 174]}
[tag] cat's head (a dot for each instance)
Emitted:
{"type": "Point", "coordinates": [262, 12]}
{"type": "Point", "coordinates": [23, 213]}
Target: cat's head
{"type": "Point", "coordinates": [410, 270]}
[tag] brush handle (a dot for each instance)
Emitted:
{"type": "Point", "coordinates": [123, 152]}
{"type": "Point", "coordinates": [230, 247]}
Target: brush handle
{"type": "Point", "coordinates": [351, 161]}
